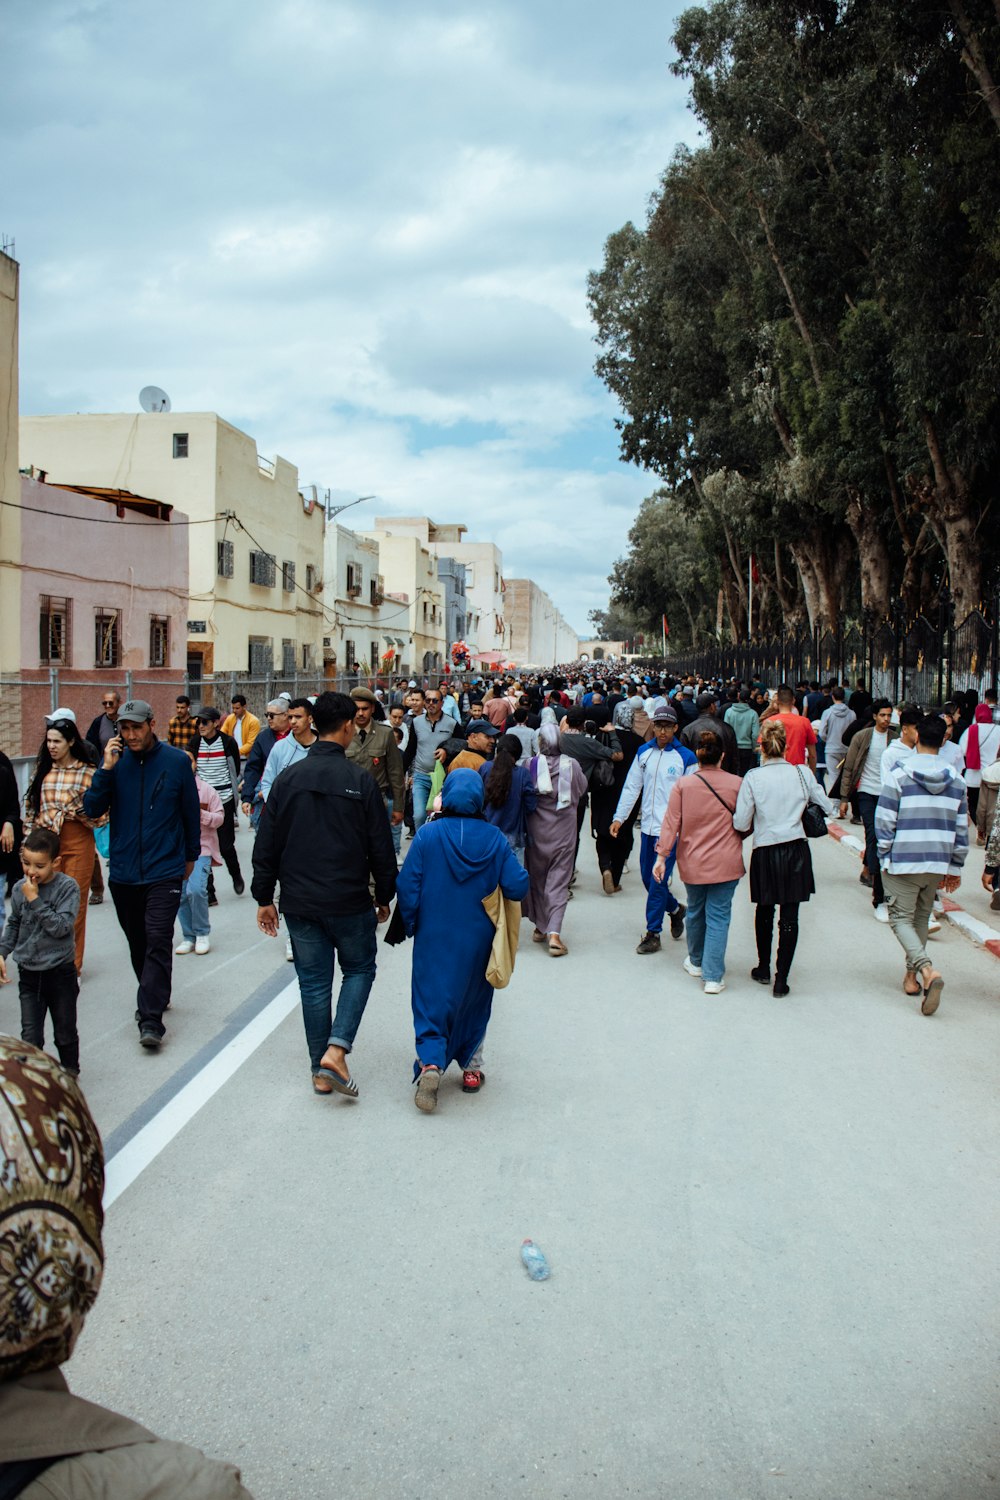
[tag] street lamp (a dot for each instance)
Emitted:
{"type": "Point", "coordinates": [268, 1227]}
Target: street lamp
{"type": "Point", "coordinates": [335, 510]}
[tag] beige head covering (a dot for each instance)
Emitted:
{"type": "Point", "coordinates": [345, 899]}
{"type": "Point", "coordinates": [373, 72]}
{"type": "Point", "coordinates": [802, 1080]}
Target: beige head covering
{"type": "Point", "coordinates": [51, 1185]}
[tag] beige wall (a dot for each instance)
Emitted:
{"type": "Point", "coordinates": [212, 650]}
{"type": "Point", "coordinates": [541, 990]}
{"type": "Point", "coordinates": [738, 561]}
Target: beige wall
{"type": "Point", "coordinates": [539, 634]}
{"type": "Point", "coordinates": [364, 618]}
{"type": "Point", "coordinates": [230, 492]}
{"type": "Point", "coordinates": [488, 630]}
{"type": "Point", "coordinates": [10, 485]}
{"type": "Point", "coordinates": [410, 569]}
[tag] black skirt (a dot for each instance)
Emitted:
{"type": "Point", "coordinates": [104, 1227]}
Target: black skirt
{"type": "Point", "coordinates": [781, 874]}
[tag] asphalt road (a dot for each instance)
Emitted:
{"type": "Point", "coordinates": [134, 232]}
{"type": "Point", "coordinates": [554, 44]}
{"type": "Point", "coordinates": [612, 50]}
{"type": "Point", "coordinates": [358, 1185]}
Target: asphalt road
{"type": "Point", "coordinates": [772, 1225]}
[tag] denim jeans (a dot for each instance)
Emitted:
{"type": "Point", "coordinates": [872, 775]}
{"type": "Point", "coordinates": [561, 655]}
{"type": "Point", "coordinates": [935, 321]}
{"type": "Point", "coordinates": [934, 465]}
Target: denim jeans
{"type": "Point", "coordinates": [866, 807]}
{"type": "Point", "coordinates": [659, 897]}
{"type": "Point", "coordinates": [52, 991]}
{"type": "Point", "coordinates": [396, 829]}
{"type": "Point", "coordinates": [421, 792]}
{"type": "Point", "coordinates": [316, 943]}
{"type": "Point", "coordinates": [193, 910]}
{"type": "Point", "coordinates": [708, 912]}
{"type": "Point", "coordinates": [516, 849]}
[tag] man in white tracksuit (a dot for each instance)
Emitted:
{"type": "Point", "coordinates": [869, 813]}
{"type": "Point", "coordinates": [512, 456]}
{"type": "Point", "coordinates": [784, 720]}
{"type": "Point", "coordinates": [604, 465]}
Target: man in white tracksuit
{"type": "Point", "coordinates": [652, 776]}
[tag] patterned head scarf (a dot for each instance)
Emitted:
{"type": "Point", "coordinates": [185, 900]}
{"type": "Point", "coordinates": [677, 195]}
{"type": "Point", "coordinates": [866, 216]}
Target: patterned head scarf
{"type": "Point", "coordinates": [51, 1184]}
{"type": "Point", "coordinates": [548, 742]}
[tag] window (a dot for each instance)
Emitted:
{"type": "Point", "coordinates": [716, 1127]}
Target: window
{"type": "Point", "coordinates": [354, 579]}
{"type": "Point", "coordinates": [350, 655]}
{"type": "Point", "coordinates": [261, 663]}
{"type": "Point", "coordinates": [376, 589]}
{"type": "Point", "coordinates": [159, 641]}
{"type": "Point", "coordinates": [310, 576]}
{"type": "Point", "coordinates": [107, 639]}
{"type": "Point", "coordinates": [224, 561]}
{"type": "Point", "coordinates": [288, 658]}
{"type": "Point", "coordinates": [307, 657]}
{"type": "Point", "coordinates": [373, 657]}
{"type": "Point", "coordinates": [53, 631]}
{"type": "Point", "coordinates": [180, 445]}
{"type": "Point", "coordinates": [288, 577]}
{"type": "Point", "coordinates": [262, 570]}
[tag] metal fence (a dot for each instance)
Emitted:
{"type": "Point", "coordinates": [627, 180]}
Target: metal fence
{"type": "Point", "coordinates": [924, 660]}
{"type": "Point", "coordinates": [25, 700]}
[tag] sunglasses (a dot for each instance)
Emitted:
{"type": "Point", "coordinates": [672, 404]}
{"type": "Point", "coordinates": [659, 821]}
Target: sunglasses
{"type": "Point", "coordinates": [432, 700]}
{"type": "Point", "coordinates": [272, 716]}
{"type": "Point", "coordinates": [108, 702]}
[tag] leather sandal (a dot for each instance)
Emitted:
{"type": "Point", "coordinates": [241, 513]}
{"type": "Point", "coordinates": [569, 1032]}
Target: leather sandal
{"type": "Point", "coordinates": [932, 985]}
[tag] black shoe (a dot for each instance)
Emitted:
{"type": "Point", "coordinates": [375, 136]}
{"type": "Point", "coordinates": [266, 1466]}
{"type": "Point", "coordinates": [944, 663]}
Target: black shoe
{"type": "Point", "coordinates": [780, 988]}
{"type": "Point", "coordinates": [149, 1038]}
{"type": "Point", "coordinates": [213, 900]}
{"type": "Point", "coordinates": [761, 974]}
{"type": "Point", "coordinates": [677, 922]}
{"type": "Point", "coordinates": [650, 943]}
{"type": "Point", "coordinates": [238, 885]}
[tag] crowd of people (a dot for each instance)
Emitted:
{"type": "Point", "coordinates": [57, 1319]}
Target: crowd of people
{"type": "Point", "coordinates": [493, 782]}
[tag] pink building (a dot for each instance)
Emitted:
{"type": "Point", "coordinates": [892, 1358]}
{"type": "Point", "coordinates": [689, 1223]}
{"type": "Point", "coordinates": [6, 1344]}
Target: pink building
{"type": "Point", "coordinates": [103, 577]}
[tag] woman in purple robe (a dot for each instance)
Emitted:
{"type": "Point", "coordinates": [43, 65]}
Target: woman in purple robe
{"type": "Point", "coordinates": [551, 851]}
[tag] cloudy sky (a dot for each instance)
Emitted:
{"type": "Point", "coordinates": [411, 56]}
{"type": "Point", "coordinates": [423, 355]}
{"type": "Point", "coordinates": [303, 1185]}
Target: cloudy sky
{"type": "Point", "coordinates": [359, 231]}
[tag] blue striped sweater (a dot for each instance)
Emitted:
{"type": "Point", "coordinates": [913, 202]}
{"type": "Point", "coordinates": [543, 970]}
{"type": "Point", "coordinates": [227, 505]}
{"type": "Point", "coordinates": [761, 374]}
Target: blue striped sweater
{"type": "Point", "coordinates": [922, 819]}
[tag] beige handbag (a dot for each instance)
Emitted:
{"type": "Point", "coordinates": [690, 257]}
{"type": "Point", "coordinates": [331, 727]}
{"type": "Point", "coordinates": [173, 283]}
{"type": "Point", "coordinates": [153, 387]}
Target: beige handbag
{"type": "Point", "coordinates": [506, 918]}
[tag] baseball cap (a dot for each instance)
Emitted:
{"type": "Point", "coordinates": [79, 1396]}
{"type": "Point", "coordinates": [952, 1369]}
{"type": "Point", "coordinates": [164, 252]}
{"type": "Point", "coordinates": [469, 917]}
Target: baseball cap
{"type": "Point", "coordinates": [204, 711]}
{"type": "Point", "coordinates": [135, 711]}
{"type": "Point", "coordinates": [60, 714]}
{"type": "Point", "coordinates": [664, 716]}
{"type": "Point", "coordinates": [483, 726]}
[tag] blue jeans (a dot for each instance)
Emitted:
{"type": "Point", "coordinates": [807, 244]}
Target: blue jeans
{"type": "Point", "coordinates": [315, 944]}
{"type": "Point", "coordinates": [421, 792]}
{"type": "Point", "coordinates": [708, 913]}
{"type": "Point", "coordinates": [516, 849]}
{"type": "Point", "coordinates": [193, 910]}
{"type": "Point", "coordinates": [396, 829]}
{"type": "Point", "coordinates": [659, 897]}
{"type": "Point", "coordinates": [866, 807]}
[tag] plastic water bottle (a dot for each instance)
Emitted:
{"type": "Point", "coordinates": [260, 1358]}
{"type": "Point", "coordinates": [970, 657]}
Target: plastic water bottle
{"type": "Point", "coordinates": [534, 1260]}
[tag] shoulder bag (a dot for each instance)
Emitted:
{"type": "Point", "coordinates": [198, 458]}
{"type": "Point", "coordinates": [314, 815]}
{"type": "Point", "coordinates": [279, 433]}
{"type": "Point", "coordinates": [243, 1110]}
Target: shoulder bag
{"type": "Point", "coordinates": [813, 821]}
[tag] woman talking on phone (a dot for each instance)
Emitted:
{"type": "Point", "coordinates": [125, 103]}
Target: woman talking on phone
{"type": "Point", "coordinates": [64, 771]}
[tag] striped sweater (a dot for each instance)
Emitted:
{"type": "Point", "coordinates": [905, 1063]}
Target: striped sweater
{"type": "Point", "coordinates": [922, 819]}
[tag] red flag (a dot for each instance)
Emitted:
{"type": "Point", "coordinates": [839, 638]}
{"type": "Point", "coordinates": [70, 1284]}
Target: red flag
{"type": "Point", "coordinates": [666, 627]}
{"type": "Point", "coordinates": [754, 570]}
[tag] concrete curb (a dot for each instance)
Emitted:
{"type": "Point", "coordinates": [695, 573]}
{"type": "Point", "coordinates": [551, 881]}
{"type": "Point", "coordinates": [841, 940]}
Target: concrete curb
{"type": "Point", "coordinates": [971, 927]}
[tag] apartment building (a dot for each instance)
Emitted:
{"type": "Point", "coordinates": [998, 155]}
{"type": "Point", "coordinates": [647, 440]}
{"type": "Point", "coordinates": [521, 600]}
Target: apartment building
{"type": "Point", "coordinates": [256, 552]}
{"type": "Point", "coordinates": [363, 628]}
{"type": "Point", "coordinates": [538, 633]}
{"type": "Point", "coordinates": [409, 570]}
{"type": "Point", "coordinates": [488, 634]}
{"type": "Point", "coordinates": [10, 484]}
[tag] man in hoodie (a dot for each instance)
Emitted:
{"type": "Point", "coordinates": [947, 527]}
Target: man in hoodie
{"type": "Point", "coordinates": [744, 721]}
{"type": "Point", "coordinates": [834, 722]}
{"type": "Point", "coordinates": [922, 826]}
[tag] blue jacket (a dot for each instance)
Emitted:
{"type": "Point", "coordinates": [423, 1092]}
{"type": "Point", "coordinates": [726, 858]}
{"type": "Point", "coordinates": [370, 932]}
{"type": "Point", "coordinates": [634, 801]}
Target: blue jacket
{"type": "Point", "coordinates": [155, 818]}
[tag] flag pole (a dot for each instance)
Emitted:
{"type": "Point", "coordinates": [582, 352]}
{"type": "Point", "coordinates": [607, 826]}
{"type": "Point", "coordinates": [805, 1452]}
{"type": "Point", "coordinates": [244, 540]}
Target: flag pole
{"type": "Point", "coordinates": [663, 631]}
{"type": "Point", "coordinates": [750, 597]}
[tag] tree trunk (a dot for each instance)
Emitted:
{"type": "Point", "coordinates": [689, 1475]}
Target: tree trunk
{"type": "Point", "coordinates": [823, 563]}
{"type": "Point", "coordinates": [873, 553]}
{"type": "Point", "coordinates": [955, 512]}
{"type": "Point", "coordinates": [975, 59]}
{"type": "Point", "coordinates": [793, 301]}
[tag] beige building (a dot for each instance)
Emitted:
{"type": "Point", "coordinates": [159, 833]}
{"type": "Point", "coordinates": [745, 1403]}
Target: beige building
{"type": "Point", "coordinates": [414, 598]}
{"type": "Point", "coordinates": [362, 626]}
{"type": "Point", "coordinates": [256, 545]}
{"type": "Point", "coordinates": [10, 484]}
{"type": "Point", "coordinates": [539, 635]}
{"type": "Point", "coordinates": [487, 631]}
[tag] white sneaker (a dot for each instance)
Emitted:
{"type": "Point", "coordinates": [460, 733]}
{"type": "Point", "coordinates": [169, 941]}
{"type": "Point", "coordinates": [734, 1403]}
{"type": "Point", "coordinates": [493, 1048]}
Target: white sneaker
{"type": "Point", "coordinates": [882, 913]}
{"type": "Point", "coordinates": [202, 945]}
{"type": "Point", "coordinates": [288, 951]}
{"type": "Point", "coordinates": [938, 904]}
{"type": "Point", "coordinates": [184, 947]}
{"type": "Point", "coordinates": [715, 986]}
{"type": "Point", "coordinates": [933, 927]}
{"type": "Point", "coordinates": [692, 969]}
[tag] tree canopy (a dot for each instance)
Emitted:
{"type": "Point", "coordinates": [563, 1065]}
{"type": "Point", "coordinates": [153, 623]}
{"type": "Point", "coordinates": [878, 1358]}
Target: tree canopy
{"type": "Point", "coordinates": [804, 337]}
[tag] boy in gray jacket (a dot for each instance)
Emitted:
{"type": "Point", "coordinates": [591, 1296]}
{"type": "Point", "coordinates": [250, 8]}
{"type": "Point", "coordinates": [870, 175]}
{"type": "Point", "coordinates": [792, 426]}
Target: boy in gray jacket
{"type": "Point", "coordinates": [39, 937]}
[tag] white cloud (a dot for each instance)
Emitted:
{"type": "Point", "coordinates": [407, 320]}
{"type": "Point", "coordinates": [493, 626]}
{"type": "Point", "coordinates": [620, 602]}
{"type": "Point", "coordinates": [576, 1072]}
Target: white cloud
{"type": "Point", "coordinates": [361, 231]}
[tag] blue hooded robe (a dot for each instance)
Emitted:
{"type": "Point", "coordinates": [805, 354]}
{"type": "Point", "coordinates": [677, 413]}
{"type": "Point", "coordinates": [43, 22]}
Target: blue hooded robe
{"type": "Point", "coordinates": [453, 863]}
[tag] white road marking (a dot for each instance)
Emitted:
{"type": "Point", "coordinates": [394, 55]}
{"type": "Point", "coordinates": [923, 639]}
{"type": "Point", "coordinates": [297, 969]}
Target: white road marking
{"type": "Point", "coordinates": [146, 1145]}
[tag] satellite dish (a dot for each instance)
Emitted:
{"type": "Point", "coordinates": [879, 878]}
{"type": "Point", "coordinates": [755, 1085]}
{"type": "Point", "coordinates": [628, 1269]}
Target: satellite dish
{"type": "Point", "coordinates": [151, 398]}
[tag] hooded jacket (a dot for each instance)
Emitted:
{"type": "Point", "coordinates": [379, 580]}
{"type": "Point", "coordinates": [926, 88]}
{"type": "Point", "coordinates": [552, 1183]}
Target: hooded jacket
{"type": "Point", "coordinates": [744, 720]}
{"type": "Point", "coordinates": [833, 726]}
{"type": "Point", "coordinates": [922, 819]}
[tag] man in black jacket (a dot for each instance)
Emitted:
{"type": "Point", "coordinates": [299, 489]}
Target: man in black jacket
{"type": "Point", "coordinates": [324, 836]}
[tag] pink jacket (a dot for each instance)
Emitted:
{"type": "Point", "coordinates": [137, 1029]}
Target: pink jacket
{"type": "Point", "coordinates": [211, 817]}
{"type": "Point", "coordinates": [709, 849]}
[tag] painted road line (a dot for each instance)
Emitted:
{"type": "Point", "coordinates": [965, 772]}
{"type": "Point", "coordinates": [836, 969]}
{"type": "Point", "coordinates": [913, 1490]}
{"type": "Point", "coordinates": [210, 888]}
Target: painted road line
{"type": "Point", "coordinates": [147, 1143]}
